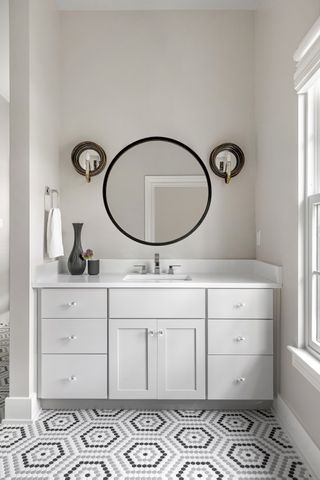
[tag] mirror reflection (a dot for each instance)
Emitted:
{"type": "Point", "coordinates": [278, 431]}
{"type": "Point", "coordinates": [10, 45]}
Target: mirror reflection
{"type": "Point", "coordinates": [225, 161]}
{"type": "Point", "coordinates": [89, 160]}
{"type": "Point", "coordinates": [157, 191]}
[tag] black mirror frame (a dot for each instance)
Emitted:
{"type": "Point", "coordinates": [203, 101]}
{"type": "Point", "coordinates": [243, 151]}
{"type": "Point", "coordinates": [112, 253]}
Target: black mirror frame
{"type": "Point", "coordinates": [134, 144]}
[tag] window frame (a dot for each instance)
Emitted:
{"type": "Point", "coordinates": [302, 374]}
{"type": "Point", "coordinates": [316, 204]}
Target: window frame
{"type": "Point", "coordinates": [307, 85]}
{"type": "Point", "coordinates": [313, 275]}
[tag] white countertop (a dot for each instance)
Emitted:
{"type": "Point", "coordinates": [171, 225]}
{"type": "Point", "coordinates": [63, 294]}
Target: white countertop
{"type": "Point", "coordinates": [115, 280]}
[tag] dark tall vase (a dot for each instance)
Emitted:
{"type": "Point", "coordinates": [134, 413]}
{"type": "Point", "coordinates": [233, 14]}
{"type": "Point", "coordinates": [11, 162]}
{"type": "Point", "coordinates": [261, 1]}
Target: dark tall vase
{"type": "Point", "coordinates": [76, 263]}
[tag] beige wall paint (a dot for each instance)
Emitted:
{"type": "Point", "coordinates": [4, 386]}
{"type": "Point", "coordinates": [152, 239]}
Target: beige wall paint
{"type": "Point", "coordinates": [4, 210]}
{"type": "Point", "coordinates": [4, 160]}
{"type": "Point", "coordinates": [186, 75]}
{"type": "Point", "coordinates": [277, 35]}
{"type": "Point", "coordinates": [44, 117]}
{"type": "Point", "coordinates": [4, 49]}
{"type": "Point", "coordinates": [34, 37]}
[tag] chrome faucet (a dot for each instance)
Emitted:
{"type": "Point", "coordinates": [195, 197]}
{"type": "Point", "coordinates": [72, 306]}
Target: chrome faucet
{"type": "Point", "coordinates": [157, 263]}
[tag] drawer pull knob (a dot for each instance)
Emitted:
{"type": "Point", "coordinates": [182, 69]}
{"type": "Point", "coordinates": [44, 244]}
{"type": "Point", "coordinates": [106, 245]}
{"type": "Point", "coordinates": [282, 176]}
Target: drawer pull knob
{"type": "Point", "coordinates": [239, 305]}
{"type": "Point", "coordinates": [151, 333]}
{"type": "Point", "coordinates": [160, 332]}
{"type": "Point", "coordinates": [72, 304]}
{"type": "Point", "coordinates": [240, 339]}
{"type": "Point", "coordinates": [73, 378]}
{"type": "Point", "coordinates": [240, 380]}
{"type": "Point", "coordinates": [72, 337]}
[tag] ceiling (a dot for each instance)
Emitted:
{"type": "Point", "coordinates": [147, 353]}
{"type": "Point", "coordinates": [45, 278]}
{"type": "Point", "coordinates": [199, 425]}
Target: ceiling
{"type": "Point", "coordinates": [157, 4]}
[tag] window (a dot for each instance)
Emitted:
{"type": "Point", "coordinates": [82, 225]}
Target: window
{"type": "Point", "coordinates": [310, 110]}
{"type": "Point", "coordinates": [313, 323]}
{"type": "Point", "coordinates": [306, 354]}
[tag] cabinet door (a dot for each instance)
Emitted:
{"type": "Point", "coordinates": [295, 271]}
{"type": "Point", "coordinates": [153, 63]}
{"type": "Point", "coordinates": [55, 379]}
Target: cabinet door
{"type": "Point", "coordinates": [133, 358]}
{"type": "Point", "coordinates": [181, 358]}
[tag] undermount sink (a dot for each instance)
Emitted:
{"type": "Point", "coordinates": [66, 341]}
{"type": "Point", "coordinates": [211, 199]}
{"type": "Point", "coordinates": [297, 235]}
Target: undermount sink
{"type": "Point", "coordinates": [152, 277]}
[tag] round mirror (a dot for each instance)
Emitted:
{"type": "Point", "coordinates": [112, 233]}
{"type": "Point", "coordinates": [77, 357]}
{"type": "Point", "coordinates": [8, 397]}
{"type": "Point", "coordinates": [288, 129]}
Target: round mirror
{"type": "Point", "coordinates": [157, 191]}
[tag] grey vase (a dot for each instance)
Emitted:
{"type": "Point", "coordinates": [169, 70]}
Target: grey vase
{"type": "Point", "coordinates": [76, 262]}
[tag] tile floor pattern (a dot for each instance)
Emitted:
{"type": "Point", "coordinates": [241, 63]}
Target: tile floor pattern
{"type": "Point", "coordinates": [4, 365]}
{"type": "Point", "coordinates": [149, 444]}
{"type": "Point", "coordinates": [146, 444]}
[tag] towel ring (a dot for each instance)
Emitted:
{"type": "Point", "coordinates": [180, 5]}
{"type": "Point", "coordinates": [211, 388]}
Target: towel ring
{"type": "Point", "coordinates": [51, 192]}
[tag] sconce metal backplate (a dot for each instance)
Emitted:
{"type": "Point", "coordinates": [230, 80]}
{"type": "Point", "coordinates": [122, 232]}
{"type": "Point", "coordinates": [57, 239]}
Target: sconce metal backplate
{"type": "Point", "coordinates": [82, 147]}
{"type": "Point", "coordinates": [236, 151]}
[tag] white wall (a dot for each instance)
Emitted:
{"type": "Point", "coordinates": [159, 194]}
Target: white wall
{"type": "Point", "coordinates": [186, 75]}
{"type": "Point", "coordinates": [277, 35]}
{"type": "Point", "coordinates": [34, 37]}
{"type": "Point", "coordinates": [4, 161]}
{"type": "Point", "coordinates": [4, 49]}
{"type": "Point", "coordinates": [44, 117]}
{"type": "Point", "coordinates": [4, 209]}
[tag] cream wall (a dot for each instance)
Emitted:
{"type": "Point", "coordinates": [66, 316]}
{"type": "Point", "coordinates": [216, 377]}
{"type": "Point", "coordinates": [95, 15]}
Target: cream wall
{"type": "Point", "coordinates": [4, 161]}
{"type": "Point", "coordinates": [34, 120]}
{"type": "Point", "coordinates": [186, 75]}
{"type": "Point", "coordinates": [4, 49]}
{"type": "Point", "coordinates": [4, 210]}
{"type": "Point", "coordinates": [276, 38]}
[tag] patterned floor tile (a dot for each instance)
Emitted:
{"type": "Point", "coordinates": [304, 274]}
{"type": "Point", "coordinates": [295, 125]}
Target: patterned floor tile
{"type": "Point", "coordinates": [200, 468]}
{"type": "Point", "coordinates": [145, 444]}
{"type": "Point", "coordinates": [89, 468]}
{"type": "Point", "coordinates": [149, 444]}
{"type": "Point", "coordinates": [145, 457]}
{"type": "Point", "coordinates": [4, 366]}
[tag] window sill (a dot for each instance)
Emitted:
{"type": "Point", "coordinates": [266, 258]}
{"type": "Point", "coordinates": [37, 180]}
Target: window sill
{"type": "Point", "coordinates": [307, 365]}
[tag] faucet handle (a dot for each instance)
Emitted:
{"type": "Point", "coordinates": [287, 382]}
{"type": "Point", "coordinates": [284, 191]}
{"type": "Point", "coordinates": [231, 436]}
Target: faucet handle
{"type": "Point", "coordinates": [171, 269]}
{"type": "Point", "coordinates": [143, 268]}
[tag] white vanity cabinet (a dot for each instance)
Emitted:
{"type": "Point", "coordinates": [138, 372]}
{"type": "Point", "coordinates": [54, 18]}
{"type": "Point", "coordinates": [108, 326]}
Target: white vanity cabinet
{"type": "Point", "coordinates": [73, 342]}
{"type": "Point", "coordinates": [158, 351]}
{"type": "Point", "coordinates": [240, 344]}
{"type": "Point", "coordinates": [148, 342]}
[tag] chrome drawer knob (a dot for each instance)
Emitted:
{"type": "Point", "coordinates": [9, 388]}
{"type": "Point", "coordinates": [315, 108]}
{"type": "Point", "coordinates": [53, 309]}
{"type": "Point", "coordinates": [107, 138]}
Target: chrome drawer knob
{"type": "Point", "coordinates": [151, 333]}
{"type": "Point", "coordinates": [72, 337]}
{"type": "Point", "coordinates": [240, 380]}
{"type": "Point", "coordinates": [73, 378]}
{"type": "Point", "coordinates": [240, 305]}
{"type": "Point", "coordinates": [72, 304]}
{"type": "Point", "coordinates": [160, 332]}
{"type": "Point", "coordinates": [240, 339]}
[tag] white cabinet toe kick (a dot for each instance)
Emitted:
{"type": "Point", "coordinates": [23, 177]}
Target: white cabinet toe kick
{"type": "Point", "coordinates": [159, 344]}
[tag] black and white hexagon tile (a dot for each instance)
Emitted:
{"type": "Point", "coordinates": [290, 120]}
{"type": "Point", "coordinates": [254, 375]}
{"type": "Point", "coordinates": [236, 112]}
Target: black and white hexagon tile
{"type": "Point", "coordinates": [149, 444]}
{"type": "Point", "coordinates": [4, 365]}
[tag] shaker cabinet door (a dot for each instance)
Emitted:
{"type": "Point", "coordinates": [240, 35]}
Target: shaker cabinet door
{"type": "Point", "coordinates": [133, 358]}
{"type": "Point", "coordinates": [181, 359]}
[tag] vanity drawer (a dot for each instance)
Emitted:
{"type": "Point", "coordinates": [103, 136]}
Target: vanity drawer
{"type": "Point", "coordinates": [157, 303]}
{"type": "Point", "coordinates": [71, 335]}
{"type": "Point", "coordinates": [73, 303]}
{"type": "Point", "coordinates": [244, 337]}
{"type": "Point", "coordinates": [240, 377]}
{"type": "Point", "coordinates": [240, 303]}
{"type": "Point", "coordinates": [74, 376]}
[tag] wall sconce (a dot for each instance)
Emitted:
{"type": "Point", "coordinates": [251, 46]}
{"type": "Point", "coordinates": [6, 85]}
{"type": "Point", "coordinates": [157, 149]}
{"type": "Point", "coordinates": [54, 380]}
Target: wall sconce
{"type": "Point", "coordinates": [88, 159]}
{"type": "Point", "coordinates": [226, 161]}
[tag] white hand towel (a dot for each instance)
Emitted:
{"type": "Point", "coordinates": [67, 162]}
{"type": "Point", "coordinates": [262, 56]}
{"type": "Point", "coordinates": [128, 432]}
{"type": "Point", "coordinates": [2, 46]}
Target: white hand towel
{"type": "Point", "coordinates": [54, 234]}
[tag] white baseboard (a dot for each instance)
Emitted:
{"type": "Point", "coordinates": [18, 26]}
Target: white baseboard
{"type": "Point", "coordinates": [303, 443]}
{"type": "Point", "coordinates": [21, 409]}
